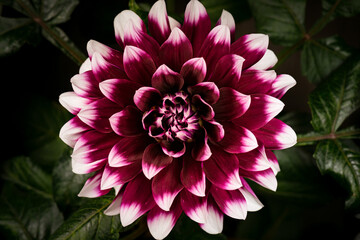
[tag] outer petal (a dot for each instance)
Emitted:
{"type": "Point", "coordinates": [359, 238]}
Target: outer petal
{"type": "Point", "coordinates": [194, 207]}
{"type": "Point", "coordinates": [252, 47]}
{"type": "Point", "coordinates": [237, 139]}
{"type": "Point", "coordinates": [194, 71]}
{"type": "Point", "coordinates": [128, 150]}
{"type": "Point", "coordinates": [193, 176]}
{"type": "Point", "coordinates": [215, 218]}
{"type": "Point", "coordinates": [166, 185]}
{"type": "Point", "coordinates": [113, 89]}
{"type": "Point", "coordinates": [158, 21]}
{"type": "Point", "coordinates": [173, 23]}
{"type": "Point", "coordinates": [197, 24]}
{"type": "Point", "coordinates": [166, 80]}
{"type": "Point", "coordinates": [103, 69]}
{"type": "Point", "coordinates": [72, 131]}
{"type": "Point", "coordinates": [176, 50]}
{"type": "Point", "coordinates": [161, 222]}
{"type": "Point", "coordinates": [72, 102]}
{"type": "Point", "coordinates": [109, 54]}
{"type": "Point", "coordinates": [154, 160]}
{"type": "Point", "coordinates": [215, 46]}
{"type": "Point", "coordinates": [114, 207]}
{"type": "Point", "coordinates": [126, 23]}
{"type": "Point", "coordinates": [127, 122]}
{"type": "Point", "coordinates": [147, 97]}
{"type": "Point", "coordinates": [256, 81]}
{"type": "Point", "coordinates": [138, 65]}
{"type": "Point", "coordinates": [265, 178]}
{"type": "Point", "coordinates": [266, 62]}
{"type": "Point", "coordinates": [227, 71]}
{"type": "Point", "coordinates": [222, 169]}
{"type": "Point", "coordinates": [133, 204]}
{"type": "Point", "coordinates": [232, 203]}
{"type": "Point", "coordinates": [281, 85]}
{"type": "Point", "coordinates": [273, 161]}
{"type": "Point", "coordinates": [85, 85]}
{"type": "Point", "coordinates": [255, 160]}
{"type": "Point", "coordinates": [232, 104]}
{"type": "Point", "coordinates": [92, 189]}
{"type": "Point", "coordinates": [262, 109]}
{"type": "Point", "coordinates": [227, 19]}
{"type": "Point", "coordinates": [276, 135]}
{"type": "Point", "coordinates": [207, 90]}
{"type": "Point", "coordinates": [112, 177]}
{"type": "Point", "coordinates": [85, 66]}
{"type": "Point", "coordinates": [97, 114]}
{"type": "Point", "coordinates": [252, 202]}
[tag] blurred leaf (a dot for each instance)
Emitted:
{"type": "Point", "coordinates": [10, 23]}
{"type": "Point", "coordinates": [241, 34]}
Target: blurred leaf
{"type": "Point", "coordinates": [26, 216]}
{"type": "Point", "coordinates": [283, 20]}
{"type": "Point", "coordinates": [320, 58]}
{"type": "Point", "coordinates": [239, 9]}
{"type": "Point", "coordinates": [89, 222]}
{"type": "Point", "coordinates": [141, 9]}
{"type": "Point", "coordinates": [59, 11]}
{"type": "Point", "coordinates": [22, 172]}
{"type": "Point", "coordinates": [337, 160]}
{"type": "Point", "coordinates": [345, 8]}
{"type": "Point", "coordinates": [14, 33]}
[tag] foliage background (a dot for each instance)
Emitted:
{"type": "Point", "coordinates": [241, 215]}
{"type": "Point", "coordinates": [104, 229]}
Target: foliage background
{"type": "Point", "coordinates": [317, 42]}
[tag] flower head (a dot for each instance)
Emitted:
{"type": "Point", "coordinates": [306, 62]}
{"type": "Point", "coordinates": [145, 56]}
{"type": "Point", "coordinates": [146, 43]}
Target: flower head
{"type": "Point", "coordinates": [177, 119]}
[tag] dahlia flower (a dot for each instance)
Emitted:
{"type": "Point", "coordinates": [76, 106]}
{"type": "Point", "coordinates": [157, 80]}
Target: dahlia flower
{"type": "Point", "coordinates": [177, 119]}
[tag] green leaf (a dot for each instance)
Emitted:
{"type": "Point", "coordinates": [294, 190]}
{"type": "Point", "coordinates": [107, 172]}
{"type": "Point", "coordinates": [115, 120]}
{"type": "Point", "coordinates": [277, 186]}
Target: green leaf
{"type": "Point", "coordinates": [283, 20]}
{"type": "Point", "coordinates": [89, 222]}
{"type": "Point", "coordinates": [56, 12]}
{"type": "Point", "coordinates": [24, 173]}
{"type": "Point", "coordinates": [334, 100]}
{"type": "Point", "coordinates": [336, 159]}
{"type": "Point", "coordinates": [27, 216]}
{"type": "Point", "coordinates": [343, 8]}
{"type": "Point", "coordinates": [320, 58]}
{"type": "Point", "coordinates": [14, 33]}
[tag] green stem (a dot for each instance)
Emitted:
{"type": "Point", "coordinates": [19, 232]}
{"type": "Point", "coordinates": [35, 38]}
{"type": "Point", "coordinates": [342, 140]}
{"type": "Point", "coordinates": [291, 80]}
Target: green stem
{"type": "Point", "coordinates": [36, 18]}
{"type": "Point", "coordinates": [319, 137]}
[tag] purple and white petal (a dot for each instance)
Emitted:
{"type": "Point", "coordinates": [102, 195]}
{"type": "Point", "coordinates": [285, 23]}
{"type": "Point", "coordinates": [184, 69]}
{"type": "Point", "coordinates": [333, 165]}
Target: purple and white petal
{"type": "Point", "coordinates": [113, 89]}
{"type": "Point", "coordinates": [228, 20]}
{"type": "Point", "coordinates": [256, 81]}
{"type": "Point", "coordinates": [237, 139]}
{"type": "Point", "coordinates": [252, 202]}
{"type": "Point", "coordinates": [173, 148]}
{"type": "Point", "coordinates": [215, 218]}
{"type": "Point", "coordinates": [196, 25]}
{"type": "Point", "coordinates": [276, 135]}
{"type": "Point", "coordinates": [252, 47]}
{"type": "Point", "coordinates": [72, 131]}
{"type": "Point", "coordinates": [114, 207]}
{"type": "Point", "coordinates": [273, 161]}
{"type": "Point", "coordinates": [222, 169]}
{"type": "Point", "coordinates": [194, 207]}
{"type": "Point", "coordinates": [215, 130]}
{"type": "Point", "coordinates": [147, 97]}
{"type": "Point", "coordinates": [158, 21]}
{"type": "Point", "coordinates": [127, 122]}
{"type": "Point", "coordinates": [231, 104]}
{"type": "Point", "coordinates": [265, 178]}
{"type": "Point", "coordinates": [193, 176]}
{"type": "Point", "coordinates": [176, 50]}
{"type": "Point", "coordinates": [173, 23]}
{"type": "Point", "coordinates": [262, 109]}
{"type": "Point", "coordinates": [166, 80]}
{"type": "Point", "coordinates": [133, 204]}
{"type": "Point", "coordinates": [208, 91]}
{"type": "Point", "coordinates": [194, 71]}
{"type": "Point", "coordinates": [266, 62]}
{"type": "Point", "coordinates": [73, 102]}
{"type": "Point", "coordinates": [109, 54]}
{"type": "Point", "coordinates": [255, 160]}
{"type": "Point", "coordinates": [117, 176]}
{"type": "Point", "coordinates": [201, 150]}
{"type": "Point", "coordinates": [102, 69]}
{"type": "Point", "coordinates": [91, 188]}
{"type": "Point", "coordinates": [231, 202]}
{"type": "Point", "coordinates": [281, 85]}
{"type": "Point", "coordinates": [166, 185]}
{"type": "Point", "coordinates": [203, 109]}
{"type": "Point", "coordinates": [125, 23]}
{"type": "Point", "coordinates": [85, 85]}
{"type": "Point", "coordinates": [154, 160]}
{"type": "Point", "coordinates": [85, 66]}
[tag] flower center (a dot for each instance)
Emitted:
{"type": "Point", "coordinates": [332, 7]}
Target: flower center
{"type": "Point", "coordinates": [173, 119]}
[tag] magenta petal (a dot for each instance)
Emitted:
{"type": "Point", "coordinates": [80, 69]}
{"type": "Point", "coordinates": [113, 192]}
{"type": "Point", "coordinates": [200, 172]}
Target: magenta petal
{"type": "Point", "coordinates": [227, 19]}
{"type": "Point", "coordinates": [254, 81]}
{"type": "Point", "coordinates": [193, 71]}
{"type": "Point", "coordinates": [262, 109]}
{"type": "Point", "coordinates": [115, 176]}
{"type": "Point", "coordinates": [72, 131]}
{"type": "Point", "coordinates": [232, 104]}
{"type": "Point", "coordinates": [158, 21]}
{"type": "Point", "coordinates": [237, 139]}
{"type": "Point", "coordinates": [91, 188]}
{"type": "Point", "coordinates": [266, 62]}
{"type": "Point", "coordinates": [207, 90]}
{"type": "Point", "coordinates": [276, 135]}
{"type": "Point", "coordinates": [154, 160]}
{"type": "Point", "coordinates": [265, 178]}
{"type": "Point", "coordinates": [196, 25]}
{"type": "Point", "coordinates": [215, 46]}
{"type": "Point", "coordinates": [215, 130]}
{"type": "Point", "coordinates": [147, 97]}
{"type": "Point", "coordinates": [255, 160]}
{"type": "Point", "coordinates": [252, 202]}
{"type": "Point", "coordinates": [193, 176]}
{"type": "Point", "coordinates": [194, 207]}
{"type": "Point", "coordinates": [138, 65]}
{"type": "Point", "coordinates": [166, 80]}
{"type": "Point", "coordinates": [222, 169]}
{"type": "Point", "coordinates": [227, 71]}
{"type": "Point", "coordinates": [133, 204]}
{"type": "Point", "coordinates": [113, 89]}
{"type": "Point", "coordinates": [127, 122]}
{"type": "Point", "coordinates": [252, 47]}
{"type": "Point", "coordinates": [85, 85]}
{"type": "Point", "coordinates": [203, 109]}
{"type": "Point", "coordinates": [166, 185]}
{"type": "Point", "coordinates": [281, 85]}
{"type": "Point", "coordinates": [273, 161]}
{"type": "Point", "coordinates": [103, 70]}
{"type": "Point", "coordinates": [73, 102]}
{"type": "Point", "coordinates": [201, 150]}
{"type": "Point", "coordinates": [161, 222]}
{"type": "Point", "coordinates": [114, 207]}
{"type": "Point", "coordinates": [214, 218]}
{"type": "Point", "coordinates": [97, 114]}
{"type": "Point", "coordinates": [232, 202]}
{"type": "Point", "coordinates": [109, 54]}
{"type": "Point", "coordinates": [128, 150]}
{"type": "Point", "coordinates": [173, 149]}
{"type": "Point", "coordinates": [176, 50]}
